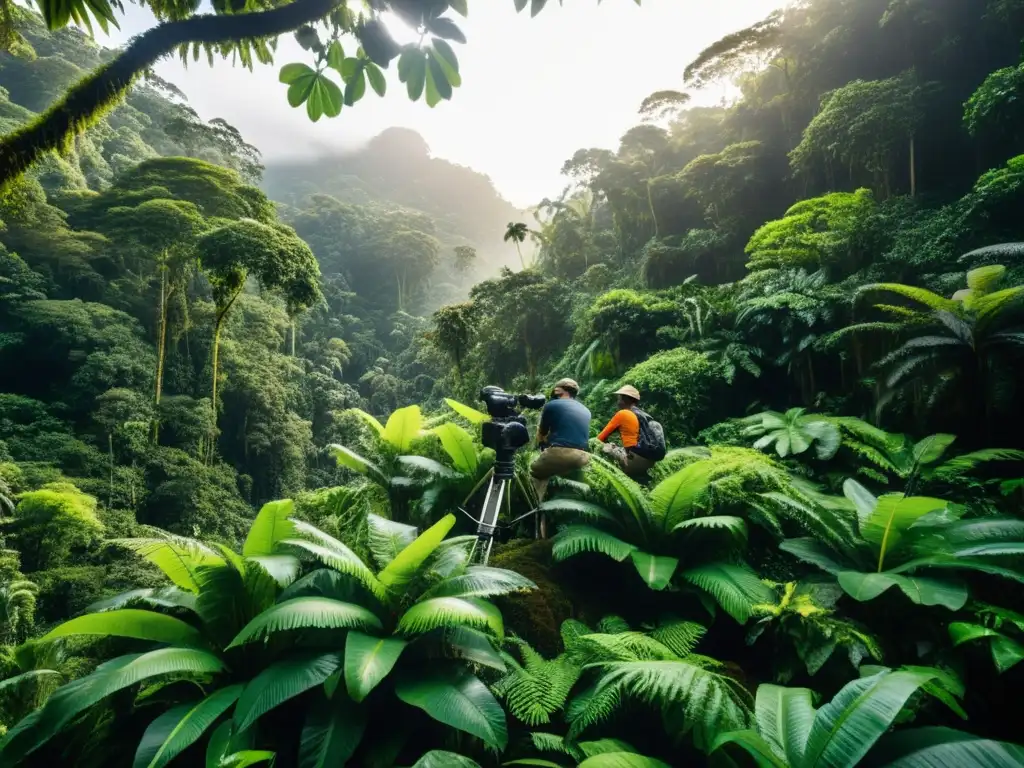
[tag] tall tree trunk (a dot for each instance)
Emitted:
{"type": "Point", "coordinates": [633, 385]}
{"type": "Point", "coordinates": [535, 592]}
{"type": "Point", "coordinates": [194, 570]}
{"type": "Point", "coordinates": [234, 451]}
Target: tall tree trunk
{"type": "Point", "coordinates": [110, 447]}
{"type": "Point", "coordinates": [519, 250]}
{"type": "Point", "coordinates": [913, 168]}
{"type": "Point", "coordinates": [218, 324]}
{"type": "Point", "coordinates": [293, 337]}
{"type": "Point", "coordinates": [650, 204]}
{"type": "Point", "coordinates": [161, 352]}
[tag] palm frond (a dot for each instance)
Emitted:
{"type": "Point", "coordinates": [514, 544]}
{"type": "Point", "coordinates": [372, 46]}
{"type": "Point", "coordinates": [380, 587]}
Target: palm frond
{"type": "Point", "coordinates": [480, 581]}
{"type": "Point", "coordinates": [577, 539]}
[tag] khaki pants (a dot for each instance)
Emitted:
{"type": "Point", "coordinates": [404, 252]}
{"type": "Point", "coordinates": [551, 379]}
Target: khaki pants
{"type": "Point", "coordinates": [555, 461]}
{"type": "Point", "coordinates": [634, 466]}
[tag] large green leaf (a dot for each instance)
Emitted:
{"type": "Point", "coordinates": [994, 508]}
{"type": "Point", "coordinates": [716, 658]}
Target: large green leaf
{"type": "Point", "coordinates": [306, 613]}
{"type": "Point", "coordinates": [935, 747]}
{"type": "Point", "coordinates": [403, 427]}
{"type": "Point", "coordinates": [480, 581]}
{"type": "Point", "coordinates": [388, 538]}
{"type": "Point", "coordinates": [472, 415]}
{"type": "Point", "coordinates": [283, 569]}
{"type": "Point", "coordinates": [456, 697]}
{"type": "Point", "coordinates": [753, 744]}
{"type": "Point", "coordinates": [622, 760]}
{"type": "Point", "coordinates": [736, 588]}
{"type": "Point", "coordinates": [655, 570]}
{"type": "Point", "coordinates": [892, 516]}
{"type": "Point", "coordinates": [451, 611]}
{"type": "Point", "coordinates": [846, 728]}
{"type": "Point", "coordinates": [75, 697]}
{"type": "Point", "coordinates": [226, 740]}
{"type": "Point", "coordinates": [438, 758]}
{"type": "Point", "coordinates": [368, 660]}
{"type": "Point", "coordinates": [349, 459]}
{"type": "Point", "coordinates": [459, 446]}
{"type": "Point", "coordinates": [332, 732]}
{"type": "Point", "coordinates": [734, 526]}
{"type": "Point", "coordinates": [272, 524]}
{"type": "Point", "coordinates": [920, 589]}
{"type": "Point", "coordinates": [335, 554]}
{"type": "Point", "coordinates": [863, 500]}
{"type": "Point", "coordinates": [784, 718]}
{"type": "Point", "coordinates": [675, 498]}
{"type": "Point", "coordinates": [282, 681]}
{"type": "Point", "coordinates": [247, 757]}
{"type": "Point", "coordinates": [577, 539]}
{"type": "Point", "coordinates": [472, 645]}
{"type": "Point", "coordinates": [179, 558]}
{"type": "Point", "coordinates": [1006, 652]}
{"type": "Point", "coordinates": [400, 571]}
{"type": "Point", "coordinates": [181, 727]}
{"type": "Point", "coordinates": [371, 420]}
{"type": "Point", "coordinates": [130, 622]}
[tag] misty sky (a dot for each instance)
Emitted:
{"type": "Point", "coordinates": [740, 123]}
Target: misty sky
{"type": "Point", "coordinates": [534, 90]}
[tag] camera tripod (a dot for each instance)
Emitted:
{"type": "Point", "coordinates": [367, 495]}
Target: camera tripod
{"type": "Point", "coordinates": [498, 495]}
{"type": "Point", "coordinates": [505, 433]}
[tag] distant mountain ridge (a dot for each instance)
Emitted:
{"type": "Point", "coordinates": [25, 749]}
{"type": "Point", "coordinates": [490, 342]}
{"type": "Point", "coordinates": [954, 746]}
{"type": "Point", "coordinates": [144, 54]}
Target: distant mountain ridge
{"type": "Point", "coordinates": [395, 168]}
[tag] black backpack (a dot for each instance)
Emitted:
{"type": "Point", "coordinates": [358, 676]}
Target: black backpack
{"type": "Point", "coordinates": [651, 444]}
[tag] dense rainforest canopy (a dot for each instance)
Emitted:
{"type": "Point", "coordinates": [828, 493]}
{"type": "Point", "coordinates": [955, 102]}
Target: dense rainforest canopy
{"type": "Point", "coordinates": [238, 425]}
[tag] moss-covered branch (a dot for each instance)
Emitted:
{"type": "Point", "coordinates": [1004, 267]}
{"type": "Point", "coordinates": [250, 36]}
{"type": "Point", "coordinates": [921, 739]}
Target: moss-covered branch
{"type": "Point", "coordinates": [92, 96]}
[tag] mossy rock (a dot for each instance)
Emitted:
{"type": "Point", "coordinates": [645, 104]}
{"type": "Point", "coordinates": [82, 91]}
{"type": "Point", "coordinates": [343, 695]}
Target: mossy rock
{"type": "Point", "coordinates": [535, 616]}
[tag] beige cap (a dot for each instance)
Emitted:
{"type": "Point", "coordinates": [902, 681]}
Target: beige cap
{"type": "Point", "coordinates": [567, 384]}
{"type": "Point", "coordinates": [629, 391]}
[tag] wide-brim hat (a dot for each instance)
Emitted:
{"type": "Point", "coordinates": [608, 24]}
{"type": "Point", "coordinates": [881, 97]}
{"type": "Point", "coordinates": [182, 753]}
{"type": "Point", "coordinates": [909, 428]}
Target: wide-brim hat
{"type": "Point", "coordinates": [628, 391]}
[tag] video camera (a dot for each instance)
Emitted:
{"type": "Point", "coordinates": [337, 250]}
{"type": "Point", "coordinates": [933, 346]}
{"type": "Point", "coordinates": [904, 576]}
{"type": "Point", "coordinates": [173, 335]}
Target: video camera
{"type": "Point", "coordinates": [506, 432]}
{"type": "Point", "coordinates": [502, 405]}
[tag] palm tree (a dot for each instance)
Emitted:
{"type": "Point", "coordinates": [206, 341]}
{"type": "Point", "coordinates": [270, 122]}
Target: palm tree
{"type": "Point", "coordinates": [962, 352]}
{"type": "Point", "coordinates": [252, 635]}
{"type": "Point", "coordinates": [517, 232]}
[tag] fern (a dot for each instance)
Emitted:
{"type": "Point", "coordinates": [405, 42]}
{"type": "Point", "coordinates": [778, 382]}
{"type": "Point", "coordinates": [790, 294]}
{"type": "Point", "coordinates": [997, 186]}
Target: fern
{"type": "Point", "coordinates": [970, 461]}
{"type": "Point", "coordinates": [680, 636]}
{"type": "Point", "coordinates": [690, 697]}
{"type": "Point", "coordinates": [537, 689]}
{"type": "Point", "coordinates": [625, 646]}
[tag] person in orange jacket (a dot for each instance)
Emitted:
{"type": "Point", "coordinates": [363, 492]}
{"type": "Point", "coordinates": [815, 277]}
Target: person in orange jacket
{"type": "Point", "coordinates": [627, 424]}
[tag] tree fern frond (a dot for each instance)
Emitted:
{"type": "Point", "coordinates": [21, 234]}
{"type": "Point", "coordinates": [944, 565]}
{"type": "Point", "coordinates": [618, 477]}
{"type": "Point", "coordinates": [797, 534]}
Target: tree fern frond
{"type": "Point", "coordinates": [584, 538]}
{"type": "Point", "coordinates": [480, 581]}
{"type": "Point", "coordinates": [451, 611]}
{"type": "Point", "coordinates": [625, 646]}
{"type": "Point", "coordinates": [736, 588]}
{"type": "Point", "coordinates": [538, 690]}
{"type": "Point", "coordinates": [306, 613]}
{"type": "Point", "coordinates": [613, 625]}
{"type": "Point", "coordinates": [689, 696]}
{"type": "Point", "coordinates": [681, 637]}
{"type": "Point", "coordinates": [920, 295]}
{"type": "Point", "coordinates": [968, 462]}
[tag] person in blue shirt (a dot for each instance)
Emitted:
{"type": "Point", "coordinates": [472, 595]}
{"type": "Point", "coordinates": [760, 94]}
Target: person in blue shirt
{"type": "Point", "coordinates": [563, 437]}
